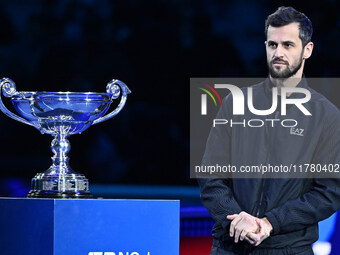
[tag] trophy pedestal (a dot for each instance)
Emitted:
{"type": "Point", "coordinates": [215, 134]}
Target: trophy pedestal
{"type": "Point", "coordinates": [88, 227]}
{"type": "Point", "coordinates": [58, 194]}
{"type": "Point", "coordinates": [59, 186]}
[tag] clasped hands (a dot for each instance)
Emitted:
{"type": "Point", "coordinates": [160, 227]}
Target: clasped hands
{"type": "Point", "coordinates": [246, 227]}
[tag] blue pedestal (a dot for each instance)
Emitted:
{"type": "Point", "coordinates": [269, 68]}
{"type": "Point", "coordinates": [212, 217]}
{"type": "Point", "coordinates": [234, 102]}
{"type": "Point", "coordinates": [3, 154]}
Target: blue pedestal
{"type": "Point", "coordinates": [88, 227]}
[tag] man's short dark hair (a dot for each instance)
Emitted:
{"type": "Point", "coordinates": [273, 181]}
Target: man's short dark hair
{"type": "Point", "coordinates": [286, 15]}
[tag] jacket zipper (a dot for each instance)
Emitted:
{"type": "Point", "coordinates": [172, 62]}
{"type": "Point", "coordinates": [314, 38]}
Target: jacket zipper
{"type": "Point", "coordinates": [263, 181]}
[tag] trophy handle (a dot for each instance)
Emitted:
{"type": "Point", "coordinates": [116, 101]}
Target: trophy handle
{"type": "Point", "coordinates": [7, 87]}
{"type": "Point", "coordinates": [114, 90]}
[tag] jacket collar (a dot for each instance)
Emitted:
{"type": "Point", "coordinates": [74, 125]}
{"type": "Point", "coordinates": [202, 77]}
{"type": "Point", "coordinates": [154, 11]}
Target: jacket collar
{"type": "Point", "coordinates": [268, 85]}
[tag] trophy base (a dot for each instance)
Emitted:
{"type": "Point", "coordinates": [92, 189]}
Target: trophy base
{"type": "Point", "coordinates": [58, 194]}
{"type": "Point", "coordinates": [45, 185]}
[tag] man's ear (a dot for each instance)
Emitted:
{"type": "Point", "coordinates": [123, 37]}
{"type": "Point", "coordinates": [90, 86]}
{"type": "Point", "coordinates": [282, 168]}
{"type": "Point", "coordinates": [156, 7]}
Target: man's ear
{"type": "Point", "coordinates": [308, 50]}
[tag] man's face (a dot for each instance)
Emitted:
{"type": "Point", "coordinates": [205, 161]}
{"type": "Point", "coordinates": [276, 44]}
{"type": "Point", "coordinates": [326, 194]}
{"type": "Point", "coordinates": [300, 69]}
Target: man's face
{"type": "Point", "coordinates": [284, 51]}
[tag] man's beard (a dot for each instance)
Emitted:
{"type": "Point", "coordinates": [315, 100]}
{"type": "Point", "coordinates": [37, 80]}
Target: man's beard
{"type": "Point", "coordinates": [287, 72]}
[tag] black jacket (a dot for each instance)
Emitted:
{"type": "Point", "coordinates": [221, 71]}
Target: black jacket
{"type": "Point", "coordinates": [293, 206]}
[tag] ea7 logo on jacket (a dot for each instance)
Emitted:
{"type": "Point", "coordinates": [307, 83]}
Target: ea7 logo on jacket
{"type": "Point", "coordinates": [238, 100]}
{"type": "Point", "coordinates": [296, 131]}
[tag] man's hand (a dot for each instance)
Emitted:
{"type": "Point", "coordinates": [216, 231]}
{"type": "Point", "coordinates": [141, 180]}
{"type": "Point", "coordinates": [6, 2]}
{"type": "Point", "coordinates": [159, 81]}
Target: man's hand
{"type": "Point", "coordinates": [265, 229]}
{"type": "Point", "coordinates": [242, 224]}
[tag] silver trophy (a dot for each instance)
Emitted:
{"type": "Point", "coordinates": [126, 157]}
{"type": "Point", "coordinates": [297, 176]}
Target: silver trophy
{"type": "Point", "coordinates": [62, 114]}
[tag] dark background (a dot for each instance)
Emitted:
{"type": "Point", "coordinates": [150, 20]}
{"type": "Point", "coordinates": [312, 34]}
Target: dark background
{"type": "Point", "coordinates": [154, 47]}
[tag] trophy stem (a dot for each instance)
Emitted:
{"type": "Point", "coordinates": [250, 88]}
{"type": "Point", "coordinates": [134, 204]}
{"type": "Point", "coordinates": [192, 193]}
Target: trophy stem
{"type": "Point", "coordinates": [60, 146]}
{"type": "Point", "coordinates": [60, 181]}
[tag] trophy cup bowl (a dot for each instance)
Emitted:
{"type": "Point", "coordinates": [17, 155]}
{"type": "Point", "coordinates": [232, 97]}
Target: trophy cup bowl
{"type": "Point", "coordinates": [62, 114]}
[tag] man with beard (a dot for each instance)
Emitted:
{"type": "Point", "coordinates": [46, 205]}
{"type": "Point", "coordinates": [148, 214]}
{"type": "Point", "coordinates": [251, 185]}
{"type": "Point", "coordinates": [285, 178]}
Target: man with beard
{"type": "Point", "coordinates": [274, 216]}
